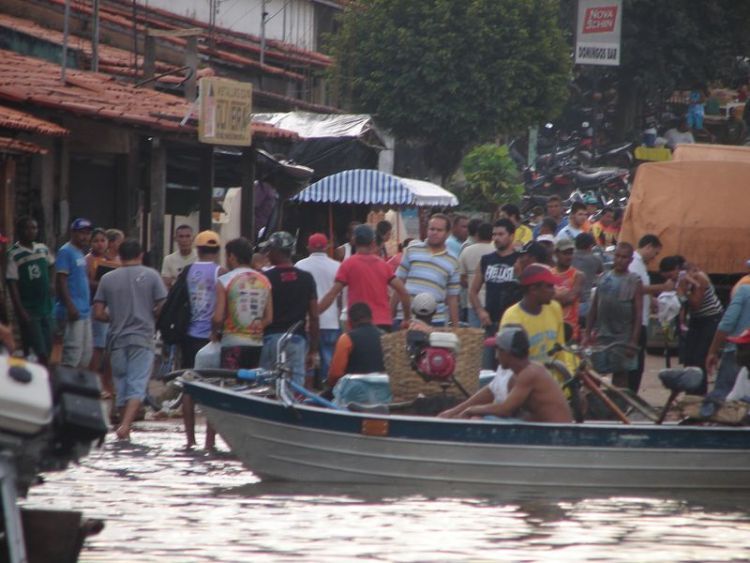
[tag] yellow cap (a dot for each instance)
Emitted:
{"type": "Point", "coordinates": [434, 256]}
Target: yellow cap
{"type": "Point", "coordinates": [208, 238]}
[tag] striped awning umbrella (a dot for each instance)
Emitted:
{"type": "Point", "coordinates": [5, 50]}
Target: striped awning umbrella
{"type": "Point", "coordinates": [373, 187]}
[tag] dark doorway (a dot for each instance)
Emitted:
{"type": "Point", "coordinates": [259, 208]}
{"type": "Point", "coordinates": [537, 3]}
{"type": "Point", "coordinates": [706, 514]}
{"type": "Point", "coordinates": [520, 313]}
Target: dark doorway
{"type": "Point", "coordinates": [93, 183]}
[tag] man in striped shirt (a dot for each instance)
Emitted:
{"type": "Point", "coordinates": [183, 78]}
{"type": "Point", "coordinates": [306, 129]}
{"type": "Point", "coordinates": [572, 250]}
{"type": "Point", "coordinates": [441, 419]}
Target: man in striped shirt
{"type": "Point", "coordinates": [429, 267]}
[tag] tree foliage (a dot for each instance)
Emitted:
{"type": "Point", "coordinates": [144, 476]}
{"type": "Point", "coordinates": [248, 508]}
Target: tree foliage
{"type": "Point", "coordinates": [449, 73]}
{"type": "Point", "coordinates": [491, 172]}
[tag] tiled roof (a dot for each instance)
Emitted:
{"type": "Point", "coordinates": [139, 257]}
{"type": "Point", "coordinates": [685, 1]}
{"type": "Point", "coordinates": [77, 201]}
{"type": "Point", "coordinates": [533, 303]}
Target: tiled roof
{"type": "Point", "coordinates": [34, 82]}
{"type": "Point", "coordinates": [21, 121]}
{"type": "Point", "coordinates": [24, 147]}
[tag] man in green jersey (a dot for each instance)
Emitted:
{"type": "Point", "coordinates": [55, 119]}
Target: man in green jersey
{"type": "Point", "coordinates": [28, 275]}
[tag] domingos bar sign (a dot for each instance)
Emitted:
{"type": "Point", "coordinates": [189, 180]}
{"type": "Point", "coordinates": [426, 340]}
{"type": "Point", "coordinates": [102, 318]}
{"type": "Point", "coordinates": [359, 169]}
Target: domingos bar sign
{"type": "Point", "coordinates": [598, 32]}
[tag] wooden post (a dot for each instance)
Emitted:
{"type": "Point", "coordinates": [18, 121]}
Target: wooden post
{"type": "Point", "coordinates": [206, 188]}
{"type": "Point", "coordinates": [158, 200]}
{"type": "Point", "coordinates": [247, 213]}
{"type": "Point", "coordinates": [149, 61]}
{"type": "Point", "coordinates": [126, 194]}
{"type": "Point", "coordinates": [191, 60]}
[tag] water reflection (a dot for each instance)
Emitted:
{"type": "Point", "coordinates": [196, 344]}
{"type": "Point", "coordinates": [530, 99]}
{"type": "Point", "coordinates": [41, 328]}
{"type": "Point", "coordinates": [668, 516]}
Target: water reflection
{"type": "Point", "coordinates": [162, 503]}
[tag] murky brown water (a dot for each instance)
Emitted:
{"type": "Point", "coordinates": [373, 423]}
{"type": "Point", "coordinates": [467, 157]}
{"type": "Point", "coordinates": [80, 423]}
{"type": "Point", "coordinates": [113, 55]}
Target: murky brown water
{"type": "Point", "coordinates": [163, 504]}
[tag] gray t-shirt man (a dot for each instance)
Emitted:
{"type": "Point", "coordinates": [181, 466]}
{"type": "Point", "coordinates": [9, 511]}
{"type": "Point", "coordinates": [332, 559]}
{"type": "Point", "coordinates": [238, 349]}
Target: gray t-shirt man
{"type": "Point", "coordinates": [130, 294]}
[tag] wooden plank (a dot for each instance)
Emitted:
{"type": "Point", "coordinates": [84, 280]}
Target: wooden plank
{"type": "Point", "coordinates": [206, 188]}
{"type": "Point", "coordinates": [247, 212]}
{"type": "Point", "coordinates": [189, 32]}
{"type": "Point", "coordinates": [158, 200]}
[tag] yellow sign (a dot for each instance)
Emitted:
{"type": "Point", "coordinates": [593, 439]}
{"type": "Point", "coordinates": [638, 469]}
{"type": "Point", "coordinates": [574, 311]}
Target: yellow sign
{"type": "Point", "coordinates": [225, 107]}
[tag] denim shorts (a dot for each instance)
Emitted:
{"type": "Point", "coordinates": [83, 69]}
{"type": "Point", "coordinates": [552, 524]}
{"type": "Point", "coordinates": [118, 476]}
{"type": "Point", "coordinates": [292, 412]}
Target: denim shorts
{"type": "Point", "coordinates": [295, 354]}
{"type": "Point", "coordinates": [99, 331]}
{"type": "Point", "coordinates": [77, 343]}
{"type": "Point", "coordinates": [131, 370]}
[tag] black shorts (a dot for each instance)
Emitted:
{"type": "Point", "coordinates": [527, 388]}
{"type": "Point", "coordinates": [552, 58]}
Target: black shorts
{"type": "Point", "coordinates": [240, 357]}
{"type": "Point", "coordinates": [189, 348]}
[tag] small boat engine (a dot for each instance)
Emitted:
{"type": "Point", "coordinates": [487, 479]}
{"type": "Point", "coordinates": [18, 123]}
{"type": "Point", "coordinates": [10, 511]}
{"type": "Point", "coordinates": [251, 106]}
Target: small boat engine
{"type": "Point", "coordinates": [433, 355]}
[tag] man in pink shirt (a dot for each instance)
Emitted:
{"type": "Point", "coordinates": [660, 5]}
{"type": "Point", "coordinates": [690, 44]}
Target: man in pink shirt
{"type": "Point", "coordinates": [367, 278]}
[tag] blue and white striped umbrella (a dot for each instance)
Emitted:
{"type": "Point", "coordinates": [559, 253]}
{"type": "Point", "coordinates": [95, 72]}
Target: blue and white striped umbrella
{"type": "Point", "coordinates": [358, 186]}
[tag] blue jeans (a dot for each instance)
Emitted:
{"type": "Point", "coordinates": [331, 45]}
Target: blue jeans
{"type": "Point", "coordinates": [296, 349]}
{"type": "Point", "coordinates": [328, 339]}
{"type": "Point", "coordinates": [473, 319]}
{"type": "Point", "coordinates": [725, 376]}
{"type": "Point", "coordinates": [131, 370]}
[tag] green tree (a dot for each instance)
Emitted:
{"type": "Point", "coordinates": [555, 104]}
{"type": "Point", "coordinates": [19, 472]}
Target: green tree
{"type": "Point", "coordinates": [450, 74]}
{"type": "Point", "coordinates": [492, 175]}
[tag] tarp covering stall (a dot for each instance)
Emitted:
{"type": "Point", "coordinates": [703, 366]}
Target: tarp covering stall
{"type": "Point", "coordinates": [698, 209]}
{"type": "Point", "coordinates": [703, 152]}
{"type": "Point", "coordinates": [371, 187]}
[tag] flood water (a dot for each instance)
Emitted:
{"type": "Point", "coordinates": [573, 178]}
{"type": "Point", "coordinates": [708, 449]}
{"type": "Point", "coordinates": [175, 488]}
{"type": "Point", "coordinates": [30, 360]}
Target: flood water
{"type": "Point", "coordinates": [161, 503]}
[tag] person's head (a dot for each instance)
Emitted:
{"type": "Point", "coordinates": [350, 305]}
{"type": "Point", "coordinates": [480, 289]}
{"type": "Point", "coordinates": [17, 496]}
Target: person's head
{"type": "Point", "coordinates": [564, 249]}
{"type": "Point", "coordinates": [424, 306]}
{"type": "Point", "coordinates": [592, 204]}
{"type": "Point", "coordinates": [502, 234]}
{"type": "Point", "coordinates": [27, 229]}
{"type": "Point", "coordinates": [742, 341]}
{"type": "Point", "coordinates": [532, 252]}
{"type": "Point", "coordinates": [359, 314]}
{"type": "Point", "coordinates": [511, 211]}
{"type": "Point", "coordinates": [607, 216]}
{"type": "Point", "coordinates": [537, 284]}
{"type": "Point", "coordinates": [623, 257]}
{"type": "Point", "coordinates": [130, 250]}
{"type": "Point", "coordinates": [183, 235]}
{"type": "Point", "coordinates": [733, 113]}
{"type": "Point", "coordinates": [585, 241]}
{"type": "Point", "coordinates": [473, 226]}
{"type": "Point", "coordinates": [383, 231]}
{"type": "Point", "coordinates": [683, 126]}
{"type": "Point", "coordinates": [670, 266]}
{"type": "Point", "coordinates": [239, 252]}
{"type": "Point", "coordinates": [649, 246]}
{"type": "Point", "coordinates": [80, 232]}
{"type": "Point", "coordinates": [511, 345]}
{"type": "Point", "coordinates": [317, 242]}
{"type": "Point", "coordinates": [98, 242]}
{"type": "Point", "coordinates": [438, 228]}
{"type": "Point", "coordinates": [350, 231]}
{"type": "Point", "coordinates": [460, 227]}
{"type": "Point", "coordinates": [114, 239]}
{"type": "Point", "coordinates": [554, 207]}
{"type": "Point", "coordinates": [578, 214]}
{"type": "Point", "coordinates": [279, 247]}
{"type": "Point", "coordinates": [548, 226]}
{"type": "Point", "coordinates": [364, 239]}
{"type": "Point", "coordinates": [208, 244]}
{"type": "Point", "coordinates": [259, 261]}
{"type": "Point", "coordinates": [484, 233]}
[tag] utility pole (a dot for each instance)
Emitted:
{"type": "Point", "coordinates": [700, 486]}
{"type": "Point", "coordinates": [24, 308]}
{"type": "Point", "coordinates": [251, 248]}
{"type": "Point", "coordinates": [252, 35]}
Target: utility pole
{"type": "Point", "coordinates": [66, 30]}
{"type": "Point", "coordinates": [95, 37]}
{"type": "Point", "coordinates": [263, 16]}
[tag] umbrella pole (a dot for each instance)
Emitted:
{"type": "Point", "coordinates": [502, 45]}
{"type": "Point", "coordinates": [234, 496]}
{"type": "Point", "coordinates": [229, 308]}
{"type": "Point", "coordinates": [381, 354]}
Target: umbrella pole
{"type": "Point", "coordinates": [330, 230]}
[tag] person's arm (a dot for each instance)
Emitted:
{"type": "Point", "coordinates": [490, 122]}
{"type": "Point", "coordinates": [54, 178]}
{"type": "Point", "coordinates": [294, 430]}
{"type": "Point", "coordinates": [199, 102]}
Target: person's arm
{"type": "Point", "coordinates": [64, 292]}
{"type": "Point", "coordinates": [313, 331]}
{"type": "Point", "coordinates": [452, 302]}
{"type": "Point", "coordinates": [566, 296]}
{"type": "Point", "coordinates": [453, 291]}
{"type": "Point", "coordinates": [402, 295]}
{"type": "Point", "coordinates": [220, 308]}
{"type": "Point", "coordinates": [700, 285]}
{"type": "Point", "coordinates": [329, 297]}
{"type": "Point", "coordinates": [637, 316]}
{"type": "Point", "coordinates": [728, 324]}
{"type": "Point", "coordinates": [516, 399]}
{"type": "Point", "coordinates": [6, 338]}
{"type": "Point", "coordinates": [23, 316]}
{"type": "Point", "coordinates": [100, 312]}
{"type": "Point", "coordinates": [268, 310]}
{"type": "Point", "coordinates": [476, 286]}
{"type": "Point", "coordinates": [481, 397]}
{"type": "Point", "coordinates": [591, 321]}
{"type": "Point", "coordinates": [340, 359]}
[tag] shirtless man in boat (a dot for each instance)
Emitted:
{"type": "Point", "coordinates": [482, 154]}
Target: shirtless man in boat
{"type": "Point", "coordinates": [532, 393]}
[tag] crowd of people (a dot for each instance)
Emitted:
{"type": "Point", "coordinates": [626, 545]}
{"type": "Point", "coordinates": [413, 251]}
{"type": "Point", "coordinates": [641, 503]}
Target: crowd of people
{"type": "Point", "coordinates": [530, 288]}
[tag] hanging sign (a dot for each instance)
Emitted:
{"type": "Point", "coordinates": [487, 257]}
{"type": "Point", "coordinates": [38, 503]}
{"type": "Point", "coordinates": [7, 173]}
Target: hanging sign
{"type": "Point", "coordinates": [225, 107]}
{"type": "Point", "coordinates": [598, 32]}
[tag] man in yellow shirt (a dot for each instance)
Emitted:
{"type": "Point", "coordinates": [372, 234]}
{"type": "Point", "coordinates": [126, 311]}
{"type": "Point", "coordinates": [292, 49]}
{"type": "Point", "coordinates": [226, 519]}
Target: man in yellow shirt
{"type": "Point", "coordinates": [523, 233]}
{"type": "Point", "coordinates": [540, 316]}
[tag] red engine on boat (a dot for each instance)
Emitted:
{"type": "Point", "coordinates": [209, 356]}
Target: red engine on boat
{"type": "Point", "coordinates": [436, 363]}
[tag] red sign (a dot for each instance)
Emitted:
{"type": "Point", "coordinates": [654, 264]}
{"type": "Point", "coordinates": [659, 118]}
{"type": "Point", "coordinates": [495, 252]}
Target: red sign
{"type": "Point", "coordinates": [600, 20]}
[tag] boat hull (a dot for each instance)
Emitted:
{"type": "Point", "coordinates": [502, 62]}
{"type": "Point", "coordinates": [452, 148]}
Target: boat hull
{"type": "Point", "coordinates": [310, 444]}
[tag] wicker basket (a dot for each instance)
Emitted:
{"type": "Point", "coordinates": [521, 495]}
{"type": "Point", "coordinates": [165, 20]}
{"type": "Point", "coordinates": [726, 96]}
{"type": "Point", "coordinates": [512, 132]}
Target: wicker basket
{"type": "Point", "coordinates": [406, 384]}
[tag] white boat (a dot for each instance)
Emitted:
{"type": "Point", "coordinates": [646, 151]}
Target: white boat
{"type": "Point", "coordinates": [309, 443]}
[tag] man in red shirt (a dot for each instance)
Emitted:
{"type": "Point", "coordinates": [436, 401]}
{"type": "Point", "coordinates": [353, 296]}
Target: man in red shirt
{"type": "Point", "coordinates": [367, 278]}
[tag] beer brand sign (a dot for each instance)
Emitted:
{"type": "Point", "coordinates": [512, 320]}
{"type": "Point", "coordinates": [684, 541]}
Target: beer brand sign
{"type": "Point", "coordinates": [598, 32]}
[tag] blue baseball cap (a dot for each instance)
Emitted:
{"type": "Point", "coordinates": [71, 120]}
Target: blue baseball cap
{"type": "Point", "coordinates": [81, 224]}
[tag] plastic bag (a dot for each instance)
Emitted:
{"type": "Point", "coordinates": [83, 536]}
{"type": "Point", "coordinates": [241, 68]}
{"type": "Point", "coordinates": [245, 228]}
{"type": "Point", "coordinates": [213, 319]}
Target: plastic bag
{"type": "Point", "coordinates": [668, 307]}
{"type": "Point", "coordinates": [208, 357]}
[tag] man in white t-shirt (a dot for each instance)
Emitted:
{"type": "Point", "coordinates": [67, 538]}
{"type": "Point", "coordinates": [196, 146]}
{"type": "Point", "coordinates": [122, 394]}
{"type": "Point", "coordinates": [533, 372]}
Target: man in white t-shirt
{"type": "Point", "coordinates": [681, 135]}
{"type": "Point", "coordinates": [648, 248]}
{"type": "Point", "coordinates": [468, 263]}
{"type": "Point", "coordinates": [576, 221]}
{"type": "Point", "coordinates": [323, 270]}
{"type": "Point", "coordinates": [185, 255]}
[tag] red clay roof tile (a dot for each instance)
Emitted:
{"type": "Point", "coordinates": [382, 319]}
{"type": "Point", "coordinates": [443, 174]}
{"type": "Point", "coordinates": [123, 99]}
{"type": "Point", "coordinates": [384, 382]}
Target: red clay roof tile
{"type": "Point", "coordinates": [21, 121]}
{"type": "Point", "coordinates": [15, 146]}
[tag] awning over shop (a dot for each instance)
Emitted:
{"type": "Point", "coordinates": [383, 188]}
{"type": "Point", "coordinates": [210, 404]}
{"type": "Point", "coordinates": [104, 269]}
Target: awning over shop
{"type": "Point", "coordinates": [371, 187]}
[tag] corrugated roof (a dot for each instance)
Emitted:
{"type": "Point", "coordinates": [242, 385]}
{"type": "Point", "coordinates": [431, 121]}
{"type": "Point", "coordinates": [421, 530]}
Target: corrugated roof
{"type": "Point", "coordinates": [34, 82]}
{"type": "Point", "coordinates": [21, 121]}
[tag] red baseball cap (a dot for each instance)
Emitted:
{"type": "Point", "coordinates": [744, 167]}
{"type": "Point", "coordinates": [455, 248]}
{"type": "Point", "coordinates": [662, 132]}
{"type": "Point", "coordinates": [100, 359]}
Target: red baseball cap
{"type": "Point", "coordinates": [538, 273]}
{"type": "Point", "coordinates": [742, 338]}
{"type": "Point", "coordinates": [317, 241]}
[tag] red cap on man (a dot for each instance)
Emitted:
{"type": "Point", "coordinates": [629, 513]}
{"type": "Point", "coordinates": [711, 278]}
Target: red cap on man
{"type": "Point", "coordinates": [538, 273]}
{"type": "Point", "coordinates": [317, 242]}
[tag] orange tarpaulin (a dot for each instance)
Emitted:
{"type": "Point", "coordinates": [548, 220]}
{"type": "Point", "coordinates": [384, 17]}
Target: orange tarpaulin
{"type": "Point", "coordinates": [698, 209]}
{"type": "Point", "coordinates": [705, 152]}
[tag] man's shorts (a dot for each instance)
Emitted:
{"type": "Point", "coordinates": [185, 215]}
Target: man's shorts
{"type": "Point", "coordinates": [131, 370]}
{"type": "Point", "coordinates": [37, 336]}
{"type": "Point", "coordinates": [99, 332]}
{"type": "Point", "coordinates": [295, 354]}
{"type": "Point", "coordinates": [240, 357]}
{"type": "Point", "coordinates": [77, 343]}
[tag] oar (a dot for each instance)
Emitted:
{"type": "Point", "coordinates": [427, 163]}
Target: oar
{"type": "Point", "coordinates": [627, 398]}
